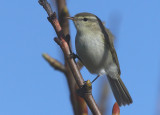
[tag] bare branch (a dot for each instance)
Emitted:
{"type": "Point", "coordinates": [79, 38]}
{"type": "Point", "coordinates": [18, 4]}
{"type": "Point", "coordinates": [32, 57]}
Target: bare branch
{"type": "Point", "coordinates": [54, 63]}
{"type": "Point", "coordinates": [79, 64]}
{"type": "Point", "coordinates": [79, 105]}
{"type": "Point", "coordinates": [62, 14]}
{"type": "Point", "coordinates": [66, 50]}
{"type": "Point", "coordinates": [103, 98]}
{"type": "Point", "coordinates": [46, 6]}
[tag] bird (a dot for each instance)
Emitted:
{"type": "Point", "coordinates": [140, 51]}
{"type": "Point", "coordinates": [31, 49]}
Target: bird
{"type": "Point", "coordinates": [95, 48]}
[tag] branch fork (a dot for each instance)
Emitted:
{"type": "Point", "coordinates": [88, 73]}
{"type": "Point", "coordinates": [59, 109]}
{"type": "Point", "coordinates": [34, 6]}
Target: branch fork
{"type": "Point", "coordinates": [85, 88]}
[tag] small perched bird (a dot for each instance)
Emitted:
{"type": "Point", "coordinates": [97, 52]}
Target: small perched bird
{"type": "Point", "coordinates": [95, 48]}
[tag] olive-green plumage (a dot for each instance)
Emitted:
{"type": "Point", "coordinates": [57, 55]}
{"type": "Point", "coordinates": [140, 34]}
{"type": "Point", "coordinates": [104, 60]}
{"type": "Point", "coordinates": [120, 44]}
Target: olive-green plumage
{"type": "Point", "coordinates": [94, 46]}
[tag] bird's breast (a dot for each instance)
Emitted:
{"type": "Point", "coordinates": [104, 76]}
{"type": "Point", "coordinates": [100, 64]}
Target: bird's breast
{"type": "Point", "coordinates": [92, 50]}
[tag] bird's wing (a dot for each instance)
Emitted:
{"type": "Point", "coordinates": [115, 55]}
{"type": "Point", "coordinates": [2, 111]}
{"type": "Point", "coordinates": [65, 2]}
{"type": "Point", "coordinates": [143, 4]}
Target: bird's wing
{"type": "Point", "coordinates": [110, 44]}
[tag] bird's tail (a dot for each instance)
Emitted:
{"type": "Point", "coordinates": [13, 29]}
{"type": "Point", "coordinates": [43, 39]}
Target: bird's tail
{"type": "Point", "coordinates": [120, 92]}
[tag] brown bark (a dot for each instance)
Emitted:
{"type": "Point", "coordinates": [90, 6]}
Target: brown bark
{"type": "Point", "coordinates": [70, 64]}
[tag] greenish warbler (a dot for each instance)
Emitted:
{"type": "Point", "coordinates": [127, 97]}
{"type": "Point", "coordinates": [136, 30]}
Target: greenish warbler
{"type": "Point", "coordinates": [94, 46]}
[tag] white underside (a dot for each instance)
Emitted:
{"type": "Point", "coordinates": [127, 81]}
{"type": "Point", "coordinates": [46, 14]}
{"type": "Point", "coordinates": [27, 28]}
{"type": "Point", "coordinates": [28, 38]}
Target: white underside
{"type": "Point", "coordinates": [94, 55]}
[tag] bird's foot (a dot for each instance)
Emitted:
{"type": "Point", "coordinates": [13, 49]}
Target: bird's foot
{"type": "Point", "coordinates": [74, 56]}
{"type": "Point", "coordinates": [85, 89]}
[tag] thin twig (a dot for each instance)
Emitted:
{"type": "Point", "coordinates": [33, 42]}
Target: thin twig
{"type": "Point", "coordinates": [46, 6]}
{"type": "Point", "coordinates": [54, 63]}
{"type": "Point", "coordinates": [66, 50]}
{"type": "Point", "coordinates": [79, 64]}
{"type": "Point", "coordinates": [103, 98]}
{"type": "Point", "coordinates": [79, 105]}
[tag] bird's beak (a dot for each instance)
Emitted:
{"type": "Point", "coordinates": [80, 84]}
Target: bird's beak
{"type": "Point", "coordinates": [70, 18]}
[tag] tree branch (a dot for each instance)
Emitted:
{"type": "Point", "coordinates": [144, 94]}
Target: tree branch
{"type": "Point", "coordinates": [103, 98]}
{"type": "Point", "coordinates": [46, 6]}
{"type": "Point", "coordinates": [66, 50]}
{"type": "Point", "coordinates": [79, 105]}
{"type": "Point", "coordinates": [54, 63]}
{"type": "Point", "coordinates": [79, 64]}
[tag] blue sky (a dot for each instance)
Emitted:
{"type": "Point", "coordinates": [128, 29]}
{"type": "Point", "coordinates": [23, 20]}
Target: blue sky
{"type": "Point", "coordinates": [29, 86]}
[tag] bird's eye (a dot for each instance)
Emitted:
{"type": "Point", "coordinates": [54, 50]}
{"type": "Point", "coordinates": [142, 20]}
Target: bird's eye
{"type": "Point", "coordinates": [85, 19]}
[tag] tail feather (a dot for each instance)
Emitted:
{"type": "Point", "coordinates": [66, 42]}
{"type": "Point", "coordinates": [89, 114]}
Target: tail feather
{"type": "Point", "coordinates": [120, 92]}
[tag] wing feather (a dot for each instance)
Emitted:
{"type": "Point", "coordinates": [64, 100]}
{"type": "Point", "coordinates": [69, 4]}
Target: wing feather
{"type": "Point", "coordinates": [110, 44]}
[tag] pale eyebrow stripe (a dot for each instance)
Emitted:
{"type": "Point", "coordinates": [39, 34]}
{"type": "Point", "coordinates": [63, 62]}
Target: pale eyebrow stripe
{"type": "Point", "coordinates": [91, 17]}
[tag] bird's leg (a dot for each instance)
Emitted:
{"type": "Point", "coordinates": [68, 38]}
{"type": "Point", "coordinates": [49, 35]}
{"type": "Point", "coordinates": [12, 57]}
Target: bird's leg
{"type": "Point", "coordinates": [95, 78]}
{"type": "Point", "coordinates": [74, 56]}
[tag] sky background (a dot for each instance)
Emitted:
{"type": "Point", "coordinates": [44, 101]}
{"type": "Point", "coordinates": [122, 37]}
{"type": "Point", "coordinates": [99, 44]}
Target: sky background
{"type": "Point", "coordinates": [29, 86]}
